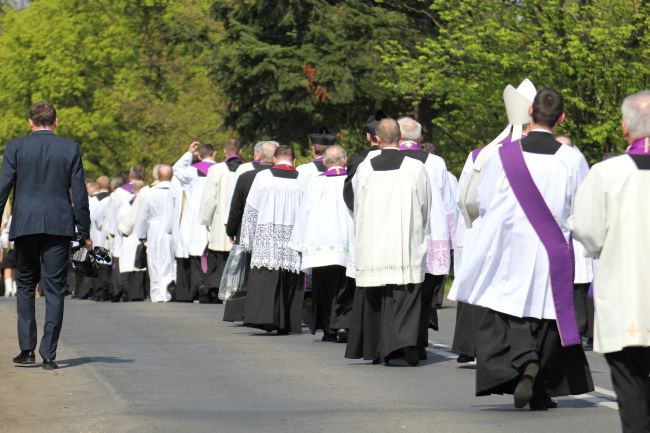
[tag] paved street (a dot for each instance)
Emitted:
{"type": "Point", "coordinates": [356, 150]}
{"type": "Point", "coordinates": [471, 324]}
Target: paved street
{"type": "Point", "coordinates": [145, 367]}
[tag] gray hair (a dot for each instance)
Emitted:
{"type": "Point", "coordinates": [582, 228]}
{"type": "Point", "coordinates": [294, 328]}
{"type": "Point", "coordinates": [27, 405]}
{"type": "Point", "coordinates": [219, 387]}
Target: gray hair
{"type": "Point", "coordinates": [258, 146]}
{"type": "Point", "coordinates": [410, 128]}
{"type": "Point", "coordinates": [334, 155]}
{"type": "Point", "coordinates": [154, 172]}
{"type": "Point", "coordinates": [636, 114]}
{"type": "Point", "coordinates": [267, 150]}
{"type": "Point", "coordinates": [116, 182]}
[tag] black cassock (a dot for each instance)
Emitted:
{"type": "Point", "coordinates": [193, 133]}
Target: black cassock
{"type": "Point", "coordinates": [234, 307]}
{"type": "Point", "coordinates": [506, 344]}
{"type": "Point", "coordinates": [332, 294]}
{"type": "Point", "coordinates": [274, 300]}
{"type": "Point", "coordinates": [384, 321]}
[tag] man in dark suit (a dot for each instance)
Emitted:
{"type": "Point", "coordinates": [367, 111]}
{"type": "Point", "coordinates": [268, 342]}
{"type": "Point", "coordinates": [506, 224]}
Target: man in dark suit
{"type": "Point", "coordinates": [47, 175]}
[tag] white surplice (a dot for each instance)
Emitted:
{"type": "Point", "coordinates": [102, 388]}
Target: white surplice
{"type": "Point", "coordinates": [267, 224]}
{"type": "Point", "coordinates": [150, 224]}
{"type": "Point", "coordinates": [118, 199]}
{"type": "Point", "coordinates": [507, 269]}
{"type": "Point", "coordinates": [323, 223]}
{"type": "Point", "coordinates": [192, 185]}
{"type": "Point", "coordinates": [247, 166]}
{"type": "Point", "coordinates": [218, 185]}
{"type": "Point", "coordinates": [391, 221]}
{"type": "Point", "coordinates": [612, 220]}
{"type": "Point", "coordinates": [128, 244]}
{"type": "Point", "coordinates": [178, 224]}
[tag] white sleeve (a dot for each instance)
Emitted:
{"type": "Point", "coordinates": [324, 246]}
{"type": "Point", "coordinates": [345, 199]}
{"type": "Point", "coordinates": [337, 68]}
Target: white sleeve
{"type": "Point", "coordinates": [183, 170]}
{"type": "Point", "coordinates": [589, 221]}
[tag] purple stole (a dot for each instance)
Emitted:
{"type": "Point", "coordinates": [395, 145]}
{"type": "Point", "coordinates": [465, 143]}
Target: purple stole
{"type": "Point", "coordinates": [410, 145]}
{"type": "Point", "coordinates": [128, 187]}
{"type": "Point", "coordinates": [475, 153]}
{"type": "Point", "coordinates": [639, 147]}
{"type": "Point", "coordinates": [203, 166]}
{"type": "Point", "coordinates": [335, 172]}
{"type": "Point", "coordinates": [558, 249]}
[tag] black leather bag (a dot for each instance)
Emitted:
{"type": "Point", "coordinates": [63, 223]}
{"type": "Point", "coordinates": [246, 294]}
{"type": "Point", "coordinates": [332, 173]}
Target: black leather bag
{"type": "Point", "coordinates": [140, 256]}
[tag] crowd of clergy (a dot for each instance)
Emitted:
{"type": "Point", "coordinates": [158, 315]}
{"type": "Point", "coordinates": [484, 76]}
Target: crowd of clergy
{"type": "Point", "coordinates": [548, 256]}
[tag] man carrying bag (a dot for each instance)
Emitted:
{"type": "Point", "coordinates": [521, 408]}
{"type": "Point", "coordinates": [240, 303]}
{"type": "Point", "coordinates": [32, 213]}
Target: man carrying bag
{"type": "Point", "coordinates": [50, 200]}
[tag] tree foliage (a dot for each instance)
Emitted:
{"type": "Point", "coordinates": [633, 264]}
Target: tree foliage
{"type": "Point", "coordinates": [130, 79]}
{"type": "Point", "coordinates": [287, 67]}
{"type": "Point", "coordinates": [136, 80]}
{"type": "Point", "coordinates": [593, 51]}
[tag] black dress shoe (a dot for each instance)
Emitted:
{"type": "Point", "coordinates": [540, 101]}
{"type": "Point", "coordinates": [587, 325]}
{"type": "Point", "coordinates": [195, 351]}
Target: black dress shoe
{"type": "Point", "coordinates": [411, 355]}
{"type": "Point", "coordinates": [342, 335]}
{"type": "Point", "coordinates": [542, 403]}
{"type": "Point", "coordinates": [329, 338]}
{"type": "Point", "coordinates": [49, 365]}
{"type": "Point", "coordinates": [25, 357]}
{"type": "Point", "coordinates": [422, 353]}
{"type": "Point", "coordinates": [464, 359]}
{"type": "Point", "coordinates": [524, 389]}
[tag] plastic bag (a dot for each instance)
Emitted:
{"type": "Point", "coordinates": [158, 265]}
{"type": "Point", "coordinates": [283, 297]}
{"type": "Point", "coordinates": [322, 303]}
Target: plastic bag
{"type": "Point", "coordinates": [235, 273]}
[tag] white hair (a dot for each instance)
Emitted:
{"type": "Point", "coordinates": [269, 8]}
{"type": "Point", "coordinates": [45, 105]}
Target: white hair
{"type": "Point", "coordinates": [267, 150]}
{"type": "Point", "coordinates": [154, 172]}
{"type": "Point", "coordinates": [258, 146]}
{"type": "Point", "coordinates": [410, 128]}
{"type": "Point", "coordinates": [636, 114]}
{"type": "Point", "coordinates": [334, 155]}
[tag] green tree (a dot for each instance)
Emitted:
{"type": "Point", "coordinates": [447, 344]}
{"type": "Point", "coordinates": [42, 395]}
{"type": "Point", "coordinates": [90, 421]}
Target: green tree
{"type": "Point", "coordinates": [594, 51]}
{"type": "Point", "coordinates": [131, 80]}
{"type": "Point", "coordinates": [287, 67]}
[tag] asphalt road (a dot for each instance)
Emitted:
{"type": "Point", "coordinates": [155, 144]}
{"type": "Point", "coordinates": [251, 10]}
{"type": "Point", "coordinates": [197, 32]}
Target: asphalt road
{"type": "Point", "coordinates": [145, 367]}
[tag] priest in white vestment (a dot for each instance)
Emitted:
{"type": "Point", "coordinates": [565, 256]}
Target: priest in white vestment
{"type": "Point", "coordinates": [135, 282]}
{"type": "Point", "coordinates": [192, 176]}
{"type": "Point", "coordinates": [243, 168]}
{"type": "Point", "coordinates": [507, 271]}
{"type": "Point", "coordinates": [517, 102]}
{"type": "Point", "coordinates": [274, 292]}
{"type": "Point", "coordinates": [392, 204]}
{"type": "Point", "coordinates": [234, 308]}
{"type": "Point", "coordinates": [612, 220]}
{"type": "Point", "coordinates": [150, 227]}
{"type": "Point", "coordinates": [441, 222]}
{"type": "Point", "coordinates": [100, 200]}
{"type": "Point", "coordinates": [321, 235]}
{"type": "Point", "coordinates": [116, 211]}
{"type": "Point", "coordinates": [213, 203]}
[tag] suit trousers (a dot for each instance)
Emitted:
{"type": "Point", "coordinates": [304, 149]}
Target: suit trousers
{"type": "Point", "coordinates": [41, 257]}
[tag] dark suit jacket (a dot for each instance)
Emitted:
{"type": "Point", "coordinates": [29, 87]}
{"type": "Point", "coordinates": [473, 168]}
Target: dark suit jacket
{"type": "Point", "coordinates": [238, 203]}
{"type": "Point", "coordinates": [48, 176]}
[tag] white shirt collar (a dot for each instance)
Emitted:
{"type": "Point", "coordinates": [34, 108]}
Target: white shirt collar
{"type": "Point", "coordinates": [541, 130]}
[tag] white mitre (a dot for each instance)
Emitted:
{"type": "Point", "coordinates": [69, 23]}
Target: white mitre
{"type": "Point", "coordinates": [517, 102]}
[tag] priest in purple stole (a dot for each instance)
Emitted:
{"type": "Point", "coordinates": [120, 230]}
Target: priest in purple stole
{"type": "Point", "coordinates": [516, 101]}
{"type": "Point", "coordinates": [274, 293]}
{"type": "Point", "coordinates": [213, 204]}
{"type": "Point", "coordinates": [321, 235]}
{"type": "Point", "coordinates": [521, 268]}
{"type": "Point", "coordinates": [192, 177]}
{"type": "Point", "coordinates": [612, 220]}
{"type": "Point", "coordinates": [392, 205]}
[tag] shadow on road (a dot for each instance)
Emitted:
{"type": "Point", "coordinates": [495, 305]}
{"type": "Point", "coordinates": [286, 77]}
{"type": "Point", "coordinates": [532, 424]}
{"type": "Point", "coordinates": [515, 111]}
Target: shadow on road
{"type": "Point", "coordinates": [75, 362]}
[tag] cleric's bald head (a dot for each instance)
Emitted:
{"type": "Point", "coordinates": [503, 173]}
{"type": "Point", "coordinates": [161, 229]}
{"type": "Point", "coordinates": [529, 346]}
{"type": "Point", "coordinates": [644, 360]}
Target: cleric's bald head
{"type": "Point", "coordinates": [165, 172]}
